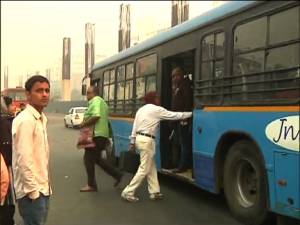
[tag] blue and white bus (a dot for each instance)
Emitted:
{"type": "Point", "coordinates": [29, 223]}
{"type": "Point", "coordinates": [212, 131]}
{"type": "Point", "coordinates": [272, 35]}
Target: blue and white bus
{"type": "Point", "coordinates": [243, 59]}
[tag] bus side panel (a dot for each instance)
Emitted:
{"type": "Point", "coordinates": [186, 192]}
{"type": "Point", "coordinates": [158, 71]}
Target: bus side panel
{"type": "Point", "coordinates": [121, 132]}
{"type": "Point", "coordinates": [204, 171]}
{"type": "Point", "coordinates": [203, 156]}
{"type": "Point", "coordinates": [287, 187]}
{"type": "Point", "coordinates": [280, 162]}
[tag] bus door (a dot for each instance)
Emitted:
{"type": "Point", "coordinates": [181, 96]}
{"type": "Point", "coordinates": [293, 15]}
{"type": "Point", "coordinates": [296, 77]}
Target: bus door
{"type": "Point", "coordinates": [170, 144]}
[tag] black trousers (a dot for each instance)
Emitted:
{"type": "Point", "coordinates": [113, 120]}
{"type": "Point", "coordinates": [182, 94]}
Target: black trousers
{"type": "Point", "coordinates": [7, 214]}
{"type": "Point", "coordinates": [92, 156]}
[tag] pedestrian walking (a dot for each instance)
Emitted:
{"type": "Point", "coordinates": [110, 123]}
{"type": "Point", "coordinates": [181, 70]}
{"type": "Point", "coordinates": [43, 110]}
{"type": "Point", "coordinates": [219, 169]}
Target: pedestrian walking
{"type": "Point", "coordinates": [96, 117]}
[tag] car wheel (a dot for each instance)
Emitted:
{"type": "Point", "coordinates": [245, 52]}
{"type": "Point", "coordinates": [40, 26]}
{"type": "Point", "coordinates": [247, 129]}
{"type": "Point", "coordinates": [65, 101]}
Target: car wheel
{"type": "Point", "coordinates": [245, 183]}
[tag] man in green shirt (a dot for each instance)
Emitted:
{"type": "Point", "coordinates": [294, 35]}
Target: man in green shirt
{"type": "Point", "coordinates": [96, 116]}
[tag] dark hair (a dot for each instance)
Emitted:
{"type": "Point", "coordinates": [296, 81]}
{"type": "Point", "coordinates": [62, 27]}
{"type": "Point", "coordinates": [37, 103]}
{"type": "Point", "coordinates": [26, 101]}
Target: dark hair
{"type": "Point", "coordinates": [150, 97]}
{"type": "Point", "coordinates": [34, 79]}
{"type": "Point", "coordinates": [7, 100]}
{"type": "Point", "coordinates": [95, 90]}
{"type": "Point", "coordinates": [178, 70]}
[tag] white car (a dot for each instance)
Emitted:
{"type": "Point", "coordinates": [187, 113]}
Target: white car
{"type": "Point", "coordinates": [74, 116]}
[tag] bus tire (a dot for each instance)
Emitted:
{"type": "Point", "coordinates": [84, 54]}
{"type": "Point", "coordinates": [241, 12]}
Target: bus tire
{"type": "Point", "coordinates": [245, 183]}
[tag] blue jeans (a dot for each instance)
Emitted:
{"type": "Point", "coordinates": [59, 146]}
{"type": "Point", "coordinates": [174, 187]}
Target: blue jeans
{"type": "Point", "coordinates": [34, 212]}
{"type": "Point", "coordinates": [184, 134]}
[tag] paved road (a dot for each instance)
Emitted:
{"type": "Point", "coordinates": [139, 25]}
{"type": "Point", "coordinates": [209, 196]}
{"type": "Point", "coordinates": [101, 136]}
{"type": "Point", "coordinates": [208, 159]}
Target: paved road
{"type": "Point", "coordinates": [184, 204]}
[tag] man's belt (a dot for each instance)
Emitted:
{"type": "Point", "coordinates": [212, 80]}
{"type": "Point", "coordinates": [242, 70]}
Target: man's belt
{"type": "Point", "coordinates": [144, 134]}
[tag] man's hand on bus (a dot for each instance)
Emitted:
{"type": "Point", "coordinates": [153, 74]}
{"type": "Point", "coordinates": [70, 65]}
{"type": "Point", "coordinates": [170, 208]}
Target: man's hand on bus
{"type": "Point", "coordinates": [131, 148]}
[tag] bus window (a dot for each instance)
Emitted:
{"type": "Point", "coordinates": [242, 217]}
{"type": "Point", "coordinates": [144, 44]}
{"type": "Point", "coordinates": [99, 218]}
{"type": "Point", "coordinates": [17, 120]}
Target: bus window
{"type": "Point", "coordinates": [129, 103]}
{"type": "Point", "coordinates": [151, 83]}
{"type": "Point", "coordinates": [145, 67]}
{"type": "Point", "coordinates": [120, 89]}
{"type": "Point", "coordinates": [267, 57]}
{"type": "Point", "coordinates": [106, 93]}
{"type": "Point", "coordinates": [212, 66]}
{"type": "Point", "coordinates": [279, 31]}
{"type": "Point", "coordinates": [283, 57]}
{"type": "Point", "coordinates": [120, 83]}
{"type": "Point", "coordinates": [250, 36]}
{"type": "Point", "coordinates": [108, 90]}
{"type": "Point", "coordinates": [106, 82]}
{"type": "Point", "coordinates": [140, 87]}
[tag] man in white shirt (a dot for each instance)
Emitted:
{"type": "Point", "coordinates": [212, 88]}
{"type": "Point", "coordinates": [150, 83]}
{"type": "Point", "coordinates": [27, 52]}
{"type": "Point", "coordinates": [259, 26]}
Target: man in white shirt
{"type": "Point", "coordinates": [144, 129]}
{"type": "Point", "coordinates": [30, 154]}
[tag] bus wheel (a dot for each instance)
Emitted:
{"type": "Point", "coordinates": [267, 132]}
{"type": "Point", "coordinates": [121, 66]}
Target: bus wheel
{"type": "Point", "coordinates": [245, 183]}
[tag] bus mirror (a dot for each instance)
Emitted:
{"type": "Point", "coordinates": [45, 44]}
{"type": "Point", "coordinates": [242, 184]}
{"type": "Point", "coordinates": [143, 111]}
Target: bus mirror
{"type": "Point", "coordinates": [83, 89]}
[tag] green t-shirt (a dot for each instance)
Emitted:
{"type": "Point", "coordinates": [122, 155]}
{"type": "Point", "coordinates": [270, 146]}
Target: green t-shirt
{"type": "Point", "coordinates": [98, 107]}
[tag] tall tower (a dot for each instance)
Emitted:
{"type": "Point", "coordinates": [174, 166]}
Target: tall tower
{"type": "Point", "coordinates": [124, 27]}
{"type": "Point", "coordinates": [180, 12]}
{"type": "Point", "coordinates": [66, 65]}
{"type": "Point", "coordinates": [89, 47]}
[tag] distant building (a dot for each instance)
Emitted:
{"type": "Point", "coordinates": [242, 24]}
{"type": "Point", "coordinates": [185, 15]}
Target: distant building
{"type": "Point", "coordinates": [124, 27]}
{"type": "Point", "coordinates": [89, 47]}
{"type": "Point", "coordinates": [180, 12]}
{"type": "Point", "coordinates": [5, 77]}
{"type": "Point", "coordinates": [48, 72]}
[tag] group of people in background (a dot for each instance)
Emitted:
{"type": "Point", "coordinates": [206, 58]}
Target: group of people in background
{"type": "Point", "coordinates": [25, 149]}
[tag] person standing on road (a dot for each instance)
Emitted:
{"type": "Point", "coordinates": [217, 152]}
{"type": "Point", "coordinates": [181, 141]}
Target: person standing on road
{"type": "Point", "coordinates": [182, 100]}
{"type": "Point", "coordinates": [7, 208]}
{"type": "Point", "coordinates": [144, 129]}
{"type": "Point", "coordinates": [30, 155]}
{"type": "Point", "coordinates": [96, 117]}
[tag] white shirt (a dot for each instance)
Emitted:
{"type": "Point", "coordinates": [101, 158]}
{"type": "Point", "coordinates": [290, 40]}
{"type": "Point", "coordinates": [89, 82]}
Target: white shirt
{"type": "Point", "coordinates": [30, 154]}
{"type": "Point", "coordinates": [148, 117]}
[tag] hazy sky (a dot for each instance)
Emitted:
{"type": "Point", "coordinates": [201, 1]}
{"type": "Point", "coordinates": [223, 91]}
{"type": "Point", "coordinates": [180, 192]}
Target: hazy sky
{"type": "Point", "coordinates": [32, 31]}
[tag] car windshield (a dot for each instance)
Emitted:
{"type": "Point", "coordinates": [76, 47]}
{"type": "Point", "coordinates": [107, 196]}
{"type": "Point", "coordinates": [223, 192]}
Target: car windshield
{"type": "Point", "coordinates": [80, 110]}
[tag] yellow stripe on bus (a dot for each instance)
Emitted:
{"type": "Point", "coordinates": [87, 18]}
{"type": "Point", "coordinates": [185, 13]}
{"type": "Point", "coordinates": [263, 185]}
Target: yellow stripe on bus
{"type": "Point", "coordinates": [252, 109]}
{"type": "Point", "coordinates": [121, 118]}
